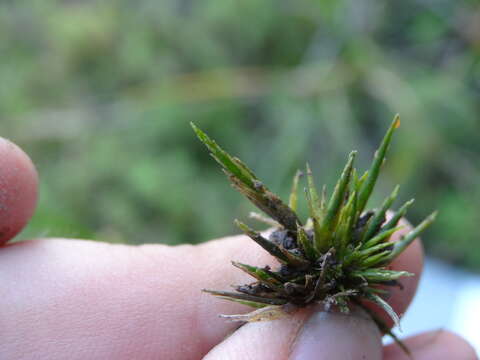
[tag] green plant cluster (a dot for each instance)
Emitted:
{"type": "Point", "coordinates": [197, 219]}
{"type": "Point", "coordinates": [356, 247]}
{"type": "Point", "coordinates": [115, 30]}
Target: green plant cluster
{"type": "Point", "coordinates": [100, 93]}
{"type": "Point", "coordinates": [338, 256]}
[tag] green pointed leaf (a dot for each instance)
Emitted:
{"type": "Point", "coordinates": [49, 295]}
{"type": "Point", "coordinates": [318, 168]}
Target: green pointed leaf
{"type": "Point", "coordinates": [306, 244]}
{"type": "Point", "coordinates": [360, 181]}
{"type": "Point", "coordinates": [375, 290]}
{"type": "Point", "coordinates": [269, 246]}
{"type": "Point", "coordinates": [323, 203]}
{"type": "Point", "coordinates": [314, 200]}
{"type": "Point", "coordinates": [244, 167]}
{"type": "Point", "coordinates": [374, 260]}
{"type": "Point", "coordinates": [259, 274]}
{"type": "Point", "coordinates": [382, 237]}
{"type": "Point", "coordinates": [374, 171]}
{"type": "Point", "coordinates": [354, 180]}
{"type": "Point", "coordinates": [346, 223]}
{"type": "Point", "coordinates": [294, 194]}
{"type": "Point", "coordinates": [239, 296]}
{"type": "Point", "coordinates": [380, 275]}
{"type": "Point", "coordinates": [374, 249]}
{"type": "Point", "coordinates": [406, 240]}
{"type": "Point", "coordinates": [324, 239]}
{"type": "Point", "coordinates": [379, 218]}
{"type": "Point", "coordinates": [311, 207]}
{"type": "Point", "coordinates": [338, 196]}
{"type": "Point", "coordinates": [228, 162]}
{"type": "Point", "coordinates": [398, 215]}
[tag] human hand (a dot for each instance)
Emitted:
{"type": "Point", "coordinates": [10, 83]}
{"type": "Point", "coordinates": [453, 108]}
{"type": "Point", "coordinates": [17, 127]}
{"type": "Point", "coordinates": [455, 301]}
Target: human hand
{"type": "Point", "coordinates": [77, 299]}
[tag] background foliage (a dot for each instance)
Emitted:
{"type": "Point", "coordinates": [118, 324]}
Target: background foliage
{"type": "Point", "coordinates": [100, 93]}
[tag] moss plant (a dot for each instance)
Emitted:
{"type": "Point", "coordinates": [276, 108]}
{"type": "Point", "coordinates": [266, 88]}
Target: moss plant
{"type": "Point", "coordinates": [339, 256]}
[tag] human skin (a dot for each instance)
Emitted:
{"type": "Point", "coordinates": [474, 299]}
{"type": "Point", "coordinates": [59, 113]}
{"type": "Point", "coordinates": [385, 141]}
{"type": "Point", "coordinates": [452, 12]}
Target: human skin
{"type": "Point", "coordinates": [80, 299]}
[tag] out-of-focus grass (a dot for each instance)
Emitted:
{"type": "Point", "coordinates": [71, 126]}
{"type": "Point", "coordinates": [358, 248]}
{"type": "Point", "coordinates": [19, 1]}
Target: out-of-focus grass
{"type": "Point", "coordinates": [101, 93]}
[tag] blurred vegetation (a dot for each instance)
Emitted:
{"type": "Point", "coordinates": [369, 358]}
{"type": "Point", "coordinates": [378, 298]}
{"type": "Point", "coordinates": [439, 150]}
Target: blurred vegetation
{"type": "Point", "coordinates": [100, 93]}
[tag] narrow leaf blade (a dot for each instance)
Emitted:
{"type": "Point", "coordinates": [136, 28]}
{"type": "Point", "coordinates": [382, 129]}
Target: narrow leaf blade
{"type": "Point", "coordinates": [305, 243]}
{"type": "Point", "coordinates": [379, 218]}
{"type": "Point", "coordinates": [374, 171]}
{"type": "Point", "coordinates": [381, 237]}
{"type": "Point", "coordinates": [323, 240]}
{"type": "Point", "coordinates": [312, 190]}
{"type": "Point", "coordinates": [293, 201]}
{"type": "Point", "coordinates": [403, 243]}
{"type": "Point", "coordinates": [228, 162]}
{"type": "Point", "coordinates": [398, 215]}
{"type": "Point", "coordinates": [269, 246]}
{"type": "Point", "coordinates": [239, 296]}
{"type": "Point", "coordinates": [380, 275]}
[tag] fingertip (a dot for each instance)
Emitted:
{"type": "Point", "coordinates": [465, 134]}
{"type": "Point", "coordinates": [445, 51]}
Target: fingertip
{"type": "Point", "coordinates": [440, 344]}
{"type": "Point", "coordinates": [269, 340]}
{"type": "Point", "coordinates": [18, 190]}
{"type": "Point", "coordinates": [338, 336]}
{"type": "Point", "coordinates": [304, 336]}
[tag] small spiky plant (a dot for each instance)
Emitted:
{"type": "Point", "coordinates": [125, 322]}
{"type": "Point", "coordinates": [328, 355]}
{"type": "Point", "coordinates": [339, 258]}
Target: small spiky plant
{"type": "Point", "coordinates": [339, 256]}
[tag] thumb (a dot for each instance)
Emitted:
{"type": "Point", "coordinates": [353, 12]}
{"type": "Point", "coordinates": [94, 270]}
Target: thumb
{"type": "Point", "coordinates": [18, 190]}
{"type": "Point", "coordinates": [307, 335]}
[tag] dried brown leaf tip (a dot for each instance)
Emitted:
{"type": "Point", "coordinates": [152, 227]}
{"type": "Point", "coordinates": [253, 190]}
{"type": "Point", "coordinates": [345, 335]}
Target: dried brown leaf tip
{"type": "Point", "coordinates": [339, 256]}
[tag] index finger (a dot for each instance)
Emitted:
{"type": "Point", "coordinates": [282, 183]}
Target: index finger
{"type": "Point", "coordinates": [138, 301]}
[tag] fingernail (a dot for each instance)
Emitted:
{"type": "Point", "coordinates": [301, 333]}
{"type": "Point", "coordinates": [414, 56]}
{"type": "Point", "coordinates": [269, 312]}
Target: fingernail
{"type": "Point", "coordinates": [333, 335]}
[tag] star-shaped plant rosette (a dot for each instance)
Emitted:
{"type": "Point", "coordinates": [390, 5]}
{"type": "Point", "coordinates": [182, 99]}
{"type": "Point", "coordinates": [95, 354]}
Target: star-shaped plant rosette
{"type": "Point", "coordinates": [338, 257]}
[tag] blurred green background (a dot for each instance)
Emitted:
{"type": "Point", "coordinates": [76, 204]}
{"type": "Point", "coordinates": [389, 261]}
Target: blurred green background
{"type": "Point", "coordinates": [101, 93]}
